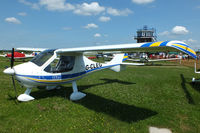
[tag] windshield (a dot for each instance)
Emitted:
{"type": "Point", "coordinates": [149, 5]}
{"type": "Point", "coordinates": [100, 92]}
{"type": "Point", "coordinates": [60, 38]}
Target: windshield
{"type": "Point", "coordinates": [42, 57]}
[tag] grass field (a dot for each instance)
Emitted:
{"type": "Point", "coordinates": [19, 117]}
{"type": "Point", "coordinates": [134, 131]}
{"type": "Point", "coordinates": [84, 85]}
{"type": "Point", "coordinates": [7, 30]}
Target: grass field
{"type": "Point", "coordinates": [126, 102]}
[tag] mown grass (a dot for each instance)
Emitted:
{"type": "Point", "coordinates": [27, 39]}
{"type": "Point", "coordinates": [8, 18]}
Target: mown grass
{"type": "Point", "coordinates": [128, 101]}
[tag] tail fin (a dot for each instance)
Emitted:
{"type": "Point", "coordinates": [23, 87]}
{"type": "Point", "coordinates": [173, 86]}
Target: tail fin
{"type": "Point", "coordinates": [125, 57]}
{"type": "Point", "coordinates": [117, 60]}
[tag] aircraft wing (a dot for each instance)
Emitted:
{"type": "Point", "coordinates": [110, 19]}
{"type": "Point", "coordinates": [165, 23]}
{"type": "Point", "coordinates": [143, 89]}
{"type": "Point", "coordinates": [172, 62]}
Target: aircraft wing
{"type": "Point", "coordinates": [31, 49]}
{"type": "Point", "coordinates": [3, 55]}
{"type": "Point", "coordinates": [162, 46]}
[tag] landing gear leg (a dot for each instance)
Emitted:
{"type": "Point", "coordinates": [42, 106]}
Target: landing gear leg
{"type": "Point", "coordinates": [76, 95]}
{"type": "Point", "coordinates": [25, 97]}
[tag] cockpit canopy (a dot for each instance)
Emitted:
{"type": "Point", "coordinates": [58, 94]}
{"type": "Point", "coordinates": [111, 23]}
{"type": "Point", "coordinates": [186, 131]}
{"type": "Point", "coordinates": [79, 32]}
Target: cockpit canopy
{"type": "Point", "coordinates": [42, 57]}
{"type": "Point", "coordinates": [58, 65]}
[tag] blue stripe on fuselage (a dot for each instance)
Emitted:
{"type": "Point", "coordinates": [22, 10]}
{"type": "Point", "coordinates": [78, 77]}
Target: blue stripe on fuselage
{"type": "Point", "coordinates": [62, 77]}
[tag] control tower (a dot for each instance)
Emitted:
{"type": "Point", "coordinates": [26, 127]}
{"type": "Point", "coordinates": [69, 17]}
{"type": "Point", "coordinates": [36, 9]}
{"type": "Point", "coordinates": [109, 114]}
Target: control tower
{"type": "Point", "coordinates": [145, 35]}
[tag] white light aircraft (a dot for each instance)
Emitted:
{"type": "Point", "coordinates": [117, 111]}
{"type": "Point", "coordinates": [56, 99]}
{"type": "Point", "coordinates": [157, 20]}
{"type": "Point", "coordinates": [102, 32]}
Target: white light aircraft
{"type": "Point", "coordinates": [53, 67]}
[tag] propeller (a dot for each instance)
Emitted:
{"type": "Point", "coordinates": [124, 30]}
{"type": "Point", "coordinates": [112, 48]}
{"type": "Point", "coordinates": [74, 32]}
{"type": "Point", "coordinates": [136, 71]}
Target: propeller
{"type": "Point", "coordinates": [12, 58]}
{"type": "Point", "coordinates": [11, 71]}
{"type": "Point", "coordinates": [11, 66]}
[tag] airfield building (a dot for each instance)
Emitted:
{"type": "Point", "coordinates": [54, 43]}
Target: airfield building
{"type": "Point", "coordinates": [146, 35]}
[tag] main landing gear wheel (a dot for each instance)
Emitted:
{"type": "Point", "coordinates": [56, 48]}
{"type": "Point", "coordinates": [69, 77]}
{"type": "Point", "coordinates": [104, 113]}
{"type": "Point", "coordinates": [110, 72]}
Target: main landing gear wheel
{"type": "Point", "coordinates": [76, 95]}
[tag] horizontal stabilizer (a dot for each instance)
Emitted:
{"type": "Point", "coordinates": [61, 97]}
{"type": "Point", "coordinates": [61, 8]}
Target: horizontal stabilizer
{"type": "Point", "coordinates": [133, 64]}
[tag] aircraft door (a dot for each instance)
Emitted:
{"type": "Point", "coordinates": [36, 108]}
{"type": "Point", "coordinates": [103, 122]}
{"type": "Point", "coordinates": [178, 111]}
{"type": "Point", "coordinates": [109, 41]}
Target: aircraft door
{"type": "Point", "coordinates": [61, 64]}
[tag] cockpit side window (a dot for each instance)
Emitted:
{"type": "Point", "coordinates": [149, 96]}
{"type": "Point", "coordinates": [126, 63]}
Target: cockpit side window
{"type": "Point", "coordinates": [61, 64]}
{"type": "Point", "coordinates": [42, 57]}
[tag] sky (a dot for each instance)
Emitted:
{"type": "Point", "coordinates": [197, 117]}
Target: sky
{"type": "Point", "coordinates": [77, 23]}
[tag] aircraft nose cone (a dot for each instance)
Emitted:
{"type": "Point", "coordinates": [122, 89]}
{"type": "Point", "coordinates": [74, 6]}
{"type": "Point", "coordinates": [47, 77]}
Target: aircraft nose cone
{"type": "Point", "coordinates": [9, 71]}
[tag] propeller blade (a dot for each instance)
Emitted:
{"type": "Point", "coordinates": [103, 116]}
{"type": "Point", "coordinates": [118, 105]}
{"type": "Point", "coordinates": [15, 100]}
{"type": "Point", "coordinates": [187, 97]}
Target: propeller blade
{"type": "Point", "coordinates": [13, 81]}
{"type": "Point", "coordinates": [12, 58]}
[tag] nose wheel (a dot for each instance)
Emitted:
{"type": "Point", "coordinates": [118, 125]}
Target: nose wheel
{"type": "Point", "coordinates": [25, 97]}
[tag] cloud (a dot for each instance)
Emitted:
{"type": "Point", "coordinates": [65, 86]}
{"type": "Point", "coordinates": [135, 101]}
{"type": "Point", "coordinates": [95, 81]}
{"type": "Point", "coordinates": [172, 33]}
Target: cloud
{"type": "Point", "coordinates": [66, 28]}
{"type": "Point", "coordinates": [92, 25]}
{"type": "Point", "coordinates": [89, 9]}
{"type": "Point", "coordinates": [180, 30]}
{"type": "Point", "coordinates": [142, 1]}
{"type": "Point", "coordinates": [32, 5]}
{"type": "Point", "coordinates": [176, 30]}
{"type": "Point", "coordinates": [190, 41]}
{"type": "Point", "coordinates": [104, 19]}
{"type": "Point", "coordinates": [56, 5]}
{"type": "Point", "coordinates": [12, 20]}
{"type": "Point", "coordinates": [22, 14]}
{"type": "Point", "coordinates": [164, 33]}
{"type": "Point", "coordinates": [116, 12]}
{"type": "Point", "coordinates": [97, 35]}
{"type": "Point", "coordinates": [85, 9]}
